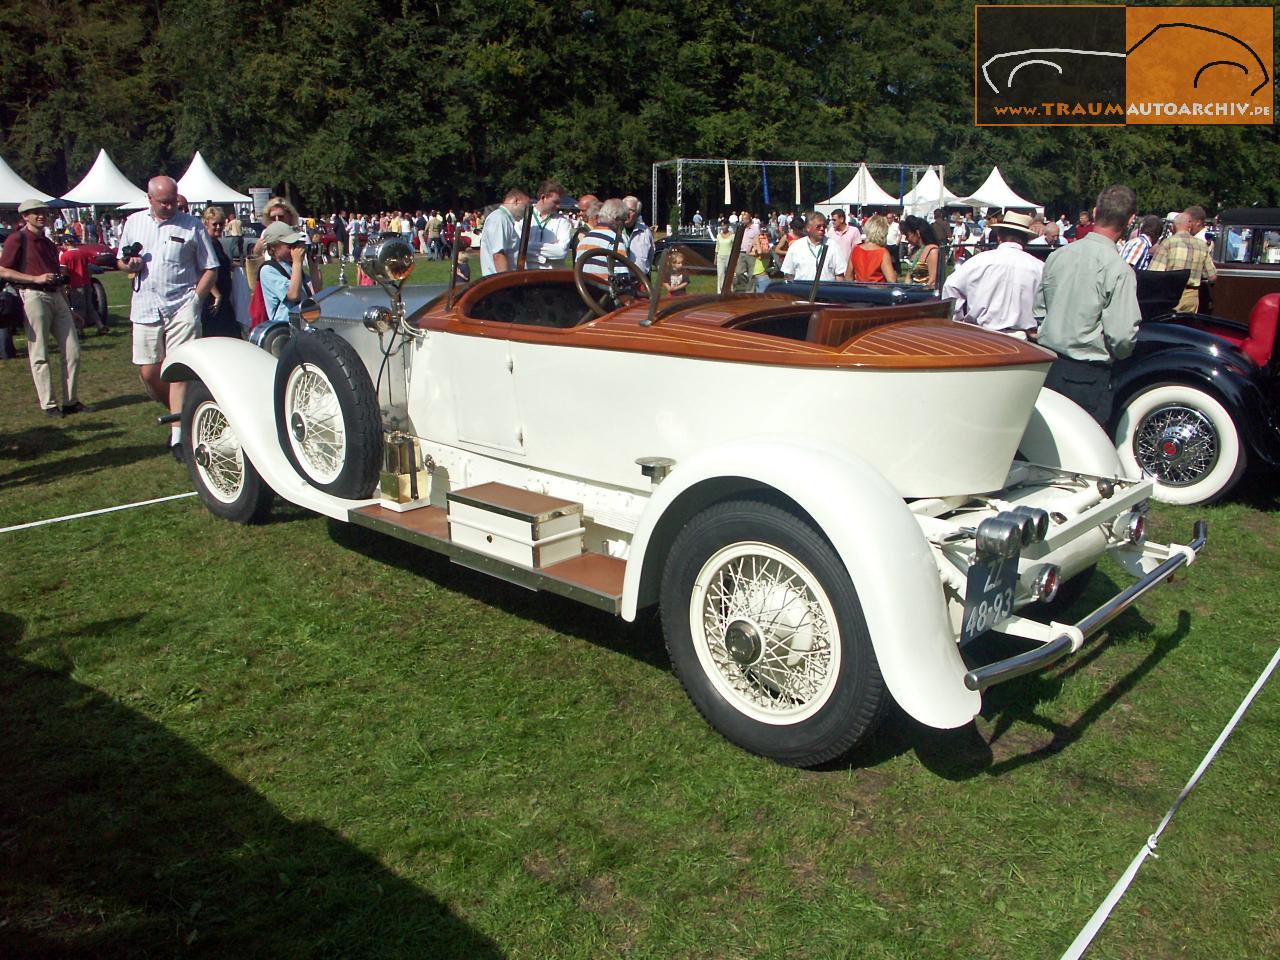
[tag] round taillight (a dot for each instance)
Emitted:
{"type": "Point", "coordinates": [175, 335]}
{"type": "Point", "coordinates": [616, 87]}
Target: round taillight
{"type": "Point", "coordinates": [1136, 528]}
{"type": "Point", "coordinates": [1046, 583]}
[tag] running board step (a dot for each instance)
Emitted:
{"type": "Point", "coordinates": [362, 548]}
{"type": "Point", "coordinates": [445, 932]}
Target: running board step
{"type": "Point", "coordinates": [589, 578]}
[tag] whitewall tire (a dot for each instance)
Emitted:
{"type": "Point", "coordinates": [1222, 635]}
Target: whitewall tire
{"type": "Point", "coordinates": [1184, 440]}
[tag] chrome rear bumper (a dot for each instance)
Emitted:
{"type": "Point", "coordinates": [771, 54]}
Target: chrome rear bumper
{"type": "Point", "coordinates": [1060, 646]}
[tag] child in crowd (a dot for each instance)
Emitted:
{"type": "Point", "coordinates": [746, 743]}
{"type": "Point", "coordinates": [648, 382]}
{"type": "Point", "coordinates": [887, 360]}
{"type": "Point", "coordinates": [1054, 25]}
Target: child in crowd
{"type": "Point", "coordinates": [676, 282]}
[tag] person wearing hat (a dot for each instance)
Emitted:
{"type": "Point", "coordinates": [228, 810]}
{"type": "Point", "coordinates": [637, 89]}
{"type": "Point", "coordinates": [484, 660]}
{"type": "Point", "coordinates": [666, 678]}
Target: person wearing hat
{"type": "Point", "coordinates": [997, 288]}
{"type": "Point", "coordinates": [173, 271]}
{"type": "Point", "coordinates": [283, 276]}
{"type": "Point", "coordinates": [30, 263]}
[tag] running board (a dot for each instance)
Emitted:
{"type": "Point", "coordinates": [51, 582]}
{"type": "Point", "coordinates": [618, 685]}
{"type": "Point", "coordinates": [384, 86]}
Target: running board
{"type": "Point", "coordinates": [589, 578]}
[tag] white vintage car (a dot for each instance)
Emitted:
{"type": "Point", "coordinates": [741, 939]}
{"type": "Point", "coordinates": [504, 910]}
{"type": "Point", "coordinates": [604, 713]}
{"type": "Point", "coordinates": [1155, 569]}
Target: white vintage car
{"type": "Point", "coordinates": [827, 503]}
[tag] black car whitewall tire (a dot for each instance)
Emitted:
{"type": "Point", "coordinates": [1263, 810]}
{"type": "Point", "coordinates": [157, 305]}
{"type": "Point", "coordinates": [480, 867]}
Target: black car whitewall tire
{"type": "Point", "coordinates": [1183, 439]}
{"type": "Point", "coordinates": [327, 415]}
{"type": "Point", "coordinates": [766, 633]}
{"type": "Point", "coordinates": [223, 476]}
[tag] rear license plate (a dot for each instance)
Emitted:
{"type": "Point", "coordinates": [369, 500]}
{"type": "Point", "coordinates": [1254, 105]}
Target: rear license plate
{"type": "Point", "coordinates": [988, 596]}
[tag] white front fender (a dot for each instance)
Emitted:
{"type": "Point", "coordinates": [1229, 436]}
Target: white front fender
{"type": "Point", "coordinates": [881, 545]}
{"type": "Point", "coordinates": [241, 378]}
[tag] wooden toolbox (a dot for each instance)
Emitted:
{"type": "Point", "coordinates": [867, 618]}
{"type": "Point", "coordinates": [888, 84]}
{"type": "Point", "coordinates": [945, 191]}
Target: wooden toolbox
{"type": "Point", "coordinates": [520, 526]}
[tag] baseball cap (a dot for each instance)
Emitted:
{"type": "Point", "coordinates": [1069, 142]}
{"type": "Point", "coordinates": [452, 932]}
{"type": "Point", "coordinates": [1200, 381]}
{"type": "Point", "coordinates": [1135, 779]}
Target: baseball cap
{"type": "Point", "coordinates": [281, 232]}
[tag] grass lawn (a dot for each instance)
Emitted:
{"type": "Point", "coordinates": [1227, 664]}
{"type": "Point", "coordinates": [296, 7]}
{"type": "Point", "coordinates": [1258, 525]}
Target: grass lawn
{"type": "Point", "coordinates": [302, 740]}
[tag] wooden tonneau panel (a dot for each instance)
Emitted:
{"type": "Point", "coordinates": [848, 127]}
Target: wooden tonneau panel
{"type": "Point", "coordinates": [907, 337]}
{"type": "Point", "coordinates": [591, 578]}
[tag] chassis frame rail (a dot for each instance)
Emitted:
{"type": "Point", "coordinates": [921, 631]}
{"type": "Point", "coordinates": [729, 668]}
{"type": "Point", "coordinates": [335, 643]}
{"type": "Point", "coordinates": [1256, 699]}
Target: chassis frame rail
{"type": "Point", "coordinates": [979, 678]}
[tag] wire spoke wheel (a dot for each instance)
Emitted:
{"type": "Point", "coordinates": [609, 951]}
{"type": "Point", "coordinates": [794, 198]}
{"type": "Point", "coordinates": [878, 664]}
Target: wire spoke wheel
{"type": "Point", "coordinates": [1176, 444]}
{"type": "Point", "coordinates": [219, 459]}
{"type": "Point", "coordinates": [314, 422]}
{"type": "Point", "coordinates": [763, 629]}
{"type": "Point", "coordinates": [222, 473]}
{"type": "Point", "coordinates": [1184, 439]}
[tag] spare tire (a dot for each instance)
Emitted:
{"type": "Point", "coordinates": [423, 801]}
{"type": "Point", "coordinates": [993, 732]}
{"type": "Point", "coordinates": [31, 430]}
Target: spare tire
{"type": "Point", "coordinates": [327, 415]}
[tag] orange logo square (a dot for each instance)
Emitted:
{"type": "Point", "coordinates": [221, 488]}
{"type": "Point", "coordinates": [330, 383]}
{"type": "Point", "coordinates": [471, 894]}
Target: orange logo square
{"type": "Point", "coordinates": [1199, 65]}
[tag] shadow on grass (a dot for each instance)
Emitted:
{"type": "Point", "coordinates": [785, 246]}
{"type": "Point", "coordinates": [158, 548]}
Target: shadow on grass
{"type": "Point", "coordinates": [87, 463]}
{"type": "Point", "coordinates": [1258, 489]}
{"type": "Point", "coordinates": [965, 752]}
{"type": "Point", "coordinates": [641, 640]}
{"type": "Point", "coordinates": [124, 400]}
{"type": "Point", "coordinates": [120, 840]}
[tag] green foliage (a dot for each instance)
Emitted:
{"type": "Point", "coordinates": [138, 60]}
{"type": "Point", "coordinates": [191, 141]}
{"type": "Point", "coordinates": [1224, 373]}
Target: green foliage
{"type": "Point", "coordinates": [349, 103]}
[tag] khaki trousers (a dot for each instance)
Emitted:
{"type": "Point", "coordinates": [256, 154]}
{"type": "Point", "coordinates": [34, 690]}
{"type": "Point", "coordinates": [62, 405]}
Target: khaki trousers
{"type": "Point", "coordinates": [48, 316]}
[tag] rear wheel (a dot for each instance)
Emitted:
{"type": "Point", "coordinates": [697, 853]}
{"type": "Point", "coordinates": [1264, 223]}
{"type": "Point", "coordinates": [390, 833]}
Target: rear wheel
{"type": "Point", "coordinates": [327, 415]}
{"type": "Point", "coordinates": [1184, 440]}
{"type": "Point", "coordinates": [223, 476]}
{"type": "Point", "coordinates": [100, 300]}
{"type": "Point", "coordinates": [766, 633]}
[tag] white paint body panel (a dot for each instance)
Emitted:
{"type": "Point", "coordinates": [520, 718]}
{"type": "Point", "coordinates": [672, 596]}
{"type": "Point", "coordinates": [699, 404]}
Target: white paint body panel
{"type": "Point", "coordinates": [590, 413]}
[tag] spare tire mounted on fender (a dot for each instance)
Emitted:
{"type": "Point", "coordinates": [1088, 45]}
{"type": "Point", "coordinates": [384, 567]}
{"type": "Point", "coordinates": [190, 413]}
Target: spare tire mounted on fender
{"type": "Point", "coordinates": [327, 415]}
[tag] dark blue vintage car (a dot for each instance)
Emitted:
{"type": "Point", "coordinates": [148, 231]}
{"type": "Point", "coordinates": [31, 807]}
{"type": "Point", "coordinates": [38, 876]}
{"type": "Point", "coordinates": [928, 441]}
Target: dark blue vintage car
{"type": "Point", "coordinates": [1198, 400]}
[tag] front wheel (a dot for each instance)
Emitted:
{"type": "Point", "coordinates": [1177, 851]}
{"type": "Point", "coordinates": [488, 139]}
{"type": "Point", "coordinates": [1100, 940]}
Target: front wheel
{"type": "Point", "coordinates": [1184, 440]}
{"type": "Point", "coordinates": [327, 415]}
{"type": "Point", "coordinates": [223, 476]}
{"type": "Point", "coordinates": [766, 633]}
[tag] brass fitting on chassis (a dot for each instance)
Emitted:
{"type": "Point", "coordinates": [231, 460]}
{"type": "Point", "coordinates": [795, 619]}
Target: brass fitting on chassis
{"type": "Point", "coordinates": [402, 479]}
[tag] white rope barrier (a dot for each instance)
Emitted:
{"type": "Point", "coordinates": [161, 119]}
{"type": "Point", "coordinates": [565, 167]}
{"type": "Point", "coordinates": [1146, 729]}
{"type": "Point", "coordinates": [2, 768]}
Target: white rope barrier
{"type": "Point", "coordinates": [1085, 937]}
{"type": "Point", "coordinates": [95, 513]}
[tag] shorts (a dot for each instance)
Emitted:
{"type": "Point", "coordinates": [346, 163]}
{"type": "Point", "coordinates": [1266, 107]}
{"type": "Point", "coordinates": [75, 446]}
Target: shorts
{"type": "Point", "coordinates": [152, 341]}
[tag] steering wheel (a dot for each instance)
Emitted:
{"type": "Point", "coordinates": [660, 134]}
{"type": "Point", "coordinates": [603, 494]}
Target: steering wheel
{"type": "Point", "coordinates": [620, 290]}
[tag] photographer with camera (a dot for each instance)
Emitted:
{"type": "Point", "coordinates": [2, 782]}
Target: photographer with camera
{"type": "Point", "coordinates": [171, 258]}
{"type": "Point", "coordinates": [30, 263]}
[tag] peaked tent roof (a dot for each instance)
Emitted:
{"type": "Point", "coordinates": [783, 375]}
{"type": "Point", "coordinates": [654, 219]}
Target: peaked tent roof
{"type": "Point", "coordinates": [922, 199]}
{"type": "Point", "coordinates": [994, 192]}
{"type": "Point", "coordinates": [13, 189]}
{"type": "Point", "coordinates": [861, 191]}
{"type": "Point", "coordinates": [104, 185]}
{"type": "Point", "coordinates": [200, 185]}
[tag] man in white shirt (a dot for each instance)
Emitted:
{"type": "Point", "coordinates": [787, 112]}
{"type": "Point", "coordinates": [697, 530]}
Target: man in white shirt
{"type": "Point", "coordinates": [172, 274]}
{"type": "Point", "coordinates": [549, 232]}
{"type": "Point", "coordinates": [997, 289]}
{"type": "Point", "coordinates": [894, 235]}
{"type": "Point", "coordinates": [1049, 238]}
{"type": "Point", "coordinates": [500, 238]}
{"type": "Point", "coordinates": [637, 235]}
{"type": "Point", "coordinates": [802, 257]}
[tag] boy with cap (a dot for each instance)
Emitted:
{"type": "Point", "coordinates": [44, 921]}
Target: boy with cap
{"type": "Point", "coordinates": [283, 275]}
{"type": "Point", "coordinates": [30, 263]}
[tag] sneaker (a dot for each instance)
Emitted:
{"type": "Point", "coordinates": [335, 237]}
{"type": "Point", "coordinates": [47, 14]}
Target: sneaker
{"type": "Point", "coordinates": [176, 450]}
{"type": "Point", "coordinates": [53, 412]}
{"type": "Point", "coordinates": [77, 407]}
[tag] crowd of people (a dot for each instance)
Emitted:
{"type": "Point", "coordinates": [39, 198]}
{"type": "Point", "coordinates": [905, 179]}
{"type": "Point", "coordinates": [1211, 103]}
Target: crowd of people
{"type": "Point", "coordinates": [184, 274]}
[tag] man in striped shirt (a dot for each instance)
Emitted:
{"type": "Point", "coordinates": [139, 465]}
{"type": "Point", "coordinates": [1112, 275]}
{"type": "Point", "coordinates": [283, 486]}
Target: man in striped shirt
{"type": "Point", "coordinates": [172, 275]}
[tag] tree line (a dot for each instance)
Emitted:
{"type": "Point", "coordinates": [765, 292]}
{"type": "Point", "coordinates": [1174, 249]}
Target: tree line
{"type": "Point", "coordinates": [389, 103]}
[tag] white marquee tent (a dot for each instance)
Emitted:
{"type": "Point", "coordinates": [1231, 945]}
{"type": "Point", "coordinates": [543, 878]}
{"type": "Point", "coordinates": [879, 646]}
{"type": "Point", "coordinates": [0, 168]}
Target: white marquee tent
{"type": "Point", "coordinates": [924, 198]}
{"type": "Point", "coordinates": [994, 192]}
{"type": "Point", "coordinates": [13, 189]}
{"type": "Point", "coordinates": [861, 191]}
{"type": "Point", "coordinates": [200, 185]}
{"type": "Point", "coordinates": [105, 186]}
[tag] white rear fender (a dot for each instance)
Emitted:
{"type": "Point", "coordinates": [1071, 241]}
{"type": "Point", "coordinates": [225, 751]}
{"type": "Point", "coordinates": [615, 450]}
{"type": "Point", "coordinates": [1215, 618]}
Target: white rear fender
{"type": "Point", "coordinates": [241, 378]}
{"type": "Point", "coordinates": [876, 536]}
{"type": "Point", "coordinates": [1061, 434]}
